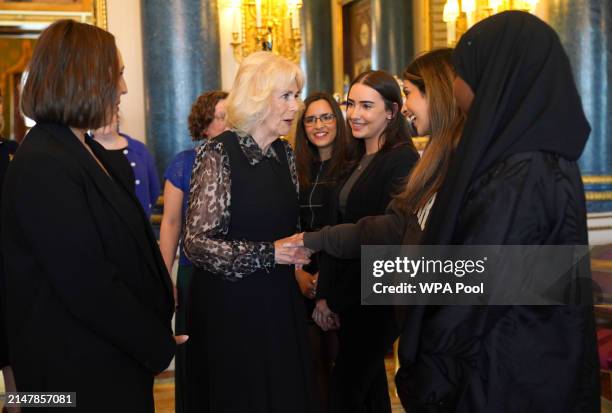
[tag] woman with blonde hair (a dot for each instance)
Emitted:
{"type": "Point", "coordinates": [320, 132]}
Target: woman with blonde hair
{"type": "Point", "coordinates": [246, 319]}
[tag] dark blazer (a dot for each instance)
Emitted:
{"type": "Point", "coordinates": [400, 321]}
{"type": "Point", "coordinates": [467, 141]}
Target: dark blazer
{"type": "Point", "coordinates": [370, 195]}
{"type": "Point", "coordinates": [7, 150]}
{"type": "Point", "coordinates": [89, 301]}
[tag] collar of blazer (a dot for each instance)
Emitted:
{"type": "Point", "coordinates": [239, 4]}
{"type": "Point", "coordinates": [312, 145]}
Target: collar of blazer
{"type": "Point", "coordinates": [334, 203]}
{"type": "Point", "coordinates": [106, 186]}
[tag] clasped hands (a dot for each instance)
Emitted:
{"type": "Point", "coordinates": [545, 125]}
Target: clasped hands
{"type": "Point", "coordinates": [291, 250]}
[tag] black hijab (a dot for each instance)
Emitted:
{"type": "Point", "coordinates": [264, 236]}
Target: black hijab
{"type": "Point", "coordinates": [525, 99]}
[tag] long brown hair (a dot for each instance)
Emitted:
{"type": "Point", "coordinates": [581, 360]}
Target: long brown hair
{"type": "Point", "coordinates": [397, 131]}
{"type": "Point", "coordinates": [433, 74]}
{"type": "Point", "coordinates": [306, 152]}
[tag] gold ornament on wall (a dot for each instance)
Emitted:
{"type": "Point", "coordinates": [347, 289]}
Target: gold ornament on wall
{"type": "Point", "coordinates": [460, 15]}
{"type": "Point", "coordinates": [36, 15]}
{"type": "Point", "coordinates": [272, 25]}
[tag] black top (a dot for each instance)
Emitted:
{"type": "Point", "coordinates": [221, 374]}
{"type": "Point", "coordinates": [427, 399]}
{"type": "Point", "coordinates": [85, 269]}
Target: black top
{"type": "Point", "coordinates": [315, 204]}
{"type": "Point", "coordinates": [123, 165]}
{"type": "Point", "coordinates": [89, 300]}
{"type": "Point", "coordinates": [370, 195]}
{"type": "Point", "coordinates": [257, 318]}
{"type": "Point", "coordinates": [315, 198]}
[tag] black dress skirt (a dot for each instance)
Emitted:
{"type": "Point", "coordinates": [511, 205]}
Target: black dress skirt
{"type": "Point", "coordinates": [248, 347]}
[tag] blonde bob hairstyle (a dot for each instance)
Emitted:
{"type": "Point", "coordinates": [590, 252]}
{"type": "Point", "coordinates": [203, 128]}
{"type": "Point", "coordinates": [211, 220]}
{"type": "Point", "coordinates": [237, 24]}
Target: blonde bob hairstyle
{"type": "Point", "coordinates": [259, 75]}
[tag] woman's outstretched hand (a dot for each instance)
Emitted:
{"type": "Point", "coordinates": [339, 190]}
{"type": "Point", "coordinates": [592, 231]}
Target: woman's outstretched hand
{"type": "Point", "coordinates": [294, 241]}
{"type": "Point", "coordinates": [291, 250]}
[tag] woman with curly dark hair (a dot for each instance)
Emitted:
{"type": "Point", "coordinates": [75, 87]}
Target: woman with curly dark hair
{"type": "Point", "coordinates": [207, 117]}
{"type": "Point", "coordinates": [206, 120]}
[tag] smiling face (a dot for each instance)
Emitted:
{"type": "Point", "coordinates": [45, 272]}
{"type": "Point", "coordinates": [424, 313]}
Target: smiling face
{"type": "Point", "coordinates": [320, 124]}
{"type": "Point", "coordinates": [283, 108]}
{"type": "Point", "coordinates": [416, 108]}
{"type": "Point", "coordinates": [366, 113]}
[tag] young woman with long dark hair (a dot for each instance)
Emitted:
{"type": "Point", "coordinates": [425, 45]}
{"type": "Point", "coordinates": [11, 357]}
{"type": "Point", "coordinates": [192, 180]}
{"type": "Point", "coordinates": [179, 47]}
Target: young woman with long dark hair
{"type": "Point", "coordinates": [381, 154]}
{"type": "Point", "coordinates": [320, 152]}
{"type": "Point", "coordinates": [433, 112]}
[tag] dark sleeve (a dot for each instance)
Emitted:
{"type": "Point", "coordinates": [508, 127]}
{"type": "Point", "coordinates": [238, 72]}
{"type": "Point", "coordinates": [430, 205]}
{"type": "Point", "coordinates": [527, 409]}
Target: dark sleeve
{"type": "Point", "coordinates": [449, 338]}
{"type": "Point", "coordinates": [345, 240]}
{"type": "Point", "coordinates": [208, 220]}
{"type": "Point", "coordinates": [519, 203]}
{"type": "Point", "coordinates": [77, 268]}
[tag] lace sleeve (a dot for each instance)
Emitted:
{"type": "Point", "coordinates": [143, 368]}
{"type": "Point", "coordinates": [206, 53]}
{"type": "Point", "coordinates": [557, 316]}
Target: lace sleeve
{"type": "Point", "coordinates": [208, 217]}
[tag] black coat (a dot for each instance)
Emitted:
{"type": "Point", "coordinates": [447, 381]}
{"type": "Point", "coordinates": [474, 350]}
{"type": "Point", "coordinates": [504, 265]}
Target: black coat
{"type": "Point", "coordinates": [7, 150]}
{"type": "Point", "coordinates": [89, 302]}
{"type": "Point", "coordinates": [366, 334]}
{"type": "Point", "coordinates": [501, 359]}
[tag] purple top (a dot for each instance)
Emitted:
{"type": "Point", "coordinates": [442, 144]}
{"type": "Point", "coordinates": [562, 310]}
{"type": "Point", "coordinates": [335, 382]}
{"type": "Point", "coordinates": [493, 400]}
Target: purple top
{"type": "Point", "coordinates": [146, 181]}
{"type": "Point", "coordinates": [179, 175]}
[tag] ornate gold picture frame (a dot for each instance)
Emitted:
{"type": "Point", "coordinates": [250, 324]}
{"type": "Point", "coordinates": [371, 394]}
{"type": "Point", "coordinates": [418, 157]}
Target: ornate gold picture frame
{"type": "Point", "coordinates": [32, 14]}
{"type": "Point", "coordinates": [21, 22]}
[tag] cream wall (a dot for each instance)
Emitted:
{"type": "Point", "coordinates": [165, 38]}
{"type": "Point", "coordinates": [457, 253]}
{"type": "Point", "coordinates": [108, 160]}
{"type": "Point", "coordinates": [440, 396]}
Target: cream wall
{"type": "Point", "coordinates": [228, 65]}
{"type": "Point", "coordinates": [125, 23]}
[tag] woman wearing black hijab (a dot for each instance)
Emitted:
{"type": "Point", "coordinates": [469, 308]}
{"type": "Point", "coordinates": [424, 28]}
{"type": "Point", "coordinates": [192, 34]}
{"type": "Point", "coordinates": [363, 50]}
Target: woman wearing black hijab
{"type": "Point", "coordinates": [513, 181]}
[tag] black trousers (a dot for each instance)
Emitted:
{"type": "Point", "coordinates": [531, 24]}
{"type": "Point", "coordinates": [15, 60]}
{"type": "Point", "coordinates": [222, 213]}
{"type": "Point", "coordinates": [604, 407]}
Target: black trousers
{"type": "Point", "coordinates": [359, 379]}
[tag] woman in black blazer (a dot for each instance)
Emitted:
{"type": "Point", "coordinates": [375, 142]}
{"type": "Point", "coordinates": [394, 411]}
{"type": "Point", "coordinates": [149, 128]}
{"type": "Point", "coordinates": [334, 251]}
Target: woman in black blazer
{"type": "Point", "coordinates": [89, 301]}
{"type": "Point", "coordinates": [383, 155]}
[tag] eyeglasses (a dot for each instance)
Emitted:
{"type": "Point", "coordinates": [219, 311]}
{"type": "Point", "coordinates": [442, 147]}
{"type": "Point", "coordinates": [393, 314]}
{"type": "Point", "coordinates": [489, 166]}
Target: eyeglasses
{"type": "Point", "coordinates": [325, 118]}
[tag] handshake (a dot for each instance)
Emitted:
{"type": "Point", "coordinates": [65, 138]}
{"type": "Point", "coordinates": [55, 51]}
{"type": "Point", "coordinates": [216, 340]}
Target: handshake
{"type": "Point", "coordinates": [291, 250]}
